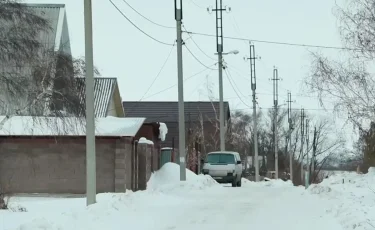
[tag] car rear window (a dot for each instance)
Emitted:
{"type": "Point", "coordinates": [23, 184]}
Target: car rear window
{"type": "Point", "coordinates": [220, 158]}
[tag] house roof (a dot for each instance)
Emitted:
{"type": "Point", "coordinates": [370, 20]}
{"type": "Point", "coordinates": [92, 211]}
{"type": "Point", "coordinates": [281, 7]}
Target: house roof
{"type": "Point", "coordinates": [155, 111]}
{"type": "Point", "coordinates": [69, 126]}
{"type": "Point", "coordinates": [103, 93]}
{"type": "Point", "coordinates": [58, 36]}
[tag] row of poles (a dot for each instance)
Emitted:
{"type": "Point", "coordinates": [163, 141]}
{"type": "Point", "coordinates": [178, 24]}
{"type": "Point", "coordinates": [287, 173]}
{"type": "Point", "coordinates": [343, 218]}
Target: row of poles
{"type": "Point", "coordinates": [220, 52]}
{"type": "Point", "coordinates": [90, 117]}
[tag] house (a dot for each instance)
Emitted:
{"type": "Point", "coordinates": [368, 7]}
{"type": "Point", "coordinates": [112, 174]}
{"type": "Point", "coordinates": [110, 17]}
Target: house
{"type": "Point", "coordinates": [107, 98]}
{"type": "Point", "coordinates": [56, 38]}
{"type": "Point", "coordinates": [201, 117]}
{"type": "Point", "coordinates": [48, 155]}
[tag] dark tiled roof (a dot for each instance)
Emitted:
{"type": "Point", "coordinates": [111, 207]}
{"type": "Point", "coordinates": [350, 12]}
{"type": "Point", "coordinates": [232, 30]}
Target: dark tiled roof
{"type": "Point", "coordinates": [164, 111]}
{"type": "Point", "coordinates": [103, 91]}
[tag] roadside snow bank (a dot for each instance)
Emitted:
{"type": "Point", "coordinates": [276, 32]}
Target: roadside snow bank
{"type": "Point", "coordinates": [167, 179]}
{"type": "Point", "coordinates": [271, 183]}
{"type": "Point", "coordinates": [352, 198]}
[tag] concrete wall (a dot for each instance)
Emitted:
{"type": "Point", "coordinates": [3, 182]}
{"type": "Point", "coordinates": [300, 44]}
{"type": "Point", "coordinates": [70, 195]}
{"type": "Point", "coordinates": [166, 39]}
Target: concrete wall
{"type": "Point", "coordinates": [143, 165]}
{"type": "Point", "coordinates": [49, 165]}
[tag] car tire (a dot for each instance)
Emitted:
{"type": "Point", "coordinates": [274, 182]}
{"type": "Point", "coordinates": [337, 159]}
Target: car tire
{"type": "Point", "coordinates": [239, 183]}
{"type": "Point", "coordinates": [234, 182]}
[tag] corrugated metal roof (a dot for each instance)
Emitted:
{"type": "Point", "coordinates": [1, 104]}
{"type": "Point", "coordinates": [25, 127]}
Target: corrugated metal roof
{"type": "Point", "coordinates": [70, 126]}
{"type": "Point", "coordinates": [58, 36]}
{"type": "Point", "coordinates": [164, 111]}
{"type": "Point", "coordinates": [103, 92]}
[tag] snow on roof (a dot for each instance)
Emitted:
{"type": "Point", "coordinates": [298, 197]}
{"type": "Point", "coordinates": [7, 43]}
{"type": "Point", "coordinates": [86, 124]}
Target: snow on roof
{"type": "Point", "coordinates": [163, 130]}
{"type": "Point", "coordinates": [69, 126]}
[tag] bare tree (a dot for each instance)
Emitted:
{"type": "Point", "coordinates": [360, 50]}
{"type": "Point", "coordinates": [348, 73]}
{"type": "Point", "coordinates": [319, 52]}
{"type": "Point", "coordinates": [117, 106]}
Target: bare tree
{"type": "Point", "coordinates": [36, 79]}
{"type": "Point", "coordinates": [348, 81]}
{"type": "Point", "coordinates": [325, 145]}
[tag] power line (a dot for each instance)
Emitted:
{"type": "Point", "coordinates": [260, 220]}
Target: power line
{"type": "Point", "coordinates": [157, 76]}
{"type": "Point", "coordinates": [197, 58]}
{"type": "Point", "coordinates": [229, 79]}
{"type": "Point", "coordinates": [312, 109]}
{"type": "Point", "coordinates": [170, 87]}
{"type": "Point", "coordinates": [195, 4]}
{"type": "Point", "coordinates": [168, 27]}
{"type": "Point", "coordinates": [273, 42]}
{"type": "Point", "coordinates": [191, 37]}
{"type": "Point", "coordinates": [161, 42]}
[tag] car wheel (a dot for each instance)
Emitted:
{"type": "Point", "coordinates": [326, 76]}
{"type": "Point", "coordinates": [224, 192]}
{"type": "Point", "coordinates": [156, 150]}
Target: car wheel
{"type": "Point", "coordinates": [239, 183]}
{"type": "Point", "coordinates": [234, 182]}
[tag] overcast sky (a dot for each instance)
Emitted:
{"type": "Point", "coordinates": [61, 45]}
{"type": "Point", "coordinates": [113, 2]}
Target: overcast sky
{"type": "Point", "coordinates": [122, 51]}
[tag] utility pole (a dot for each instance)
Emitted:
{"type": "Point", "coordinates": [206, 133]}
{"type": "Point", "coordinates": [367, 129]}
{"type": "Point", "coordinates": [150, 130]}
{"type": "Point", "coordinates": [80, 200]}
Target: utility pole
{"type": "Point", "coordinates": [181, 104]}
{"type": "Point", "coordinates": [90, 115]}
{"type": "Point", "coordinates": [275, 80]}
{"type": "Point", "coordinates": [291, 156]}
{"type": "Point", "coordinates": [302, 136]}
{"type": "Point", "coordinates": [307, 175]}
{"type": "Point", "coordinates": [252, 59]}
{"type": "Point", "coordinates": [219, 47]}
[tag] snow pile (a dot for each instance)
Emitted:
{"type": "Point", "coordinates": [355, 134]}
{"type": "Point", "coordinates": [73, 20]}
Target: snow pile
{"type": "Point", "coordinates": [270, 183]}
{"type": "Point", "coordinates": [167, 179]}
{"type": "Point", "coordinates": [351, 197]}
{"type": "Point", "coordinates": [144, 140]}
{"type": "Point", "coordinates": [163, 130]}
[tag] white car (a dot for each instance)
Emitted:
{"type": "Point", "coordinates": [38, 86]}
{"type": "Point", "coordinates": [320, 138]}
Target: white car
{"type": "Point", "coordinates": [224, 167]}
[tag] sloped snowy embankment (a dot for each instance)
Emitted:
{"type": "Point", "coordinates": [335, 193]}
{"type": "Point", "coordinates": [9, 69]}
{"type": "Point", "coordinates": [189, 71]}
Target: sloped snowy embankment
{"type": "Point", "coordinates": [351, 197]}
{"type": "Point", "coordinates": [113, 211]}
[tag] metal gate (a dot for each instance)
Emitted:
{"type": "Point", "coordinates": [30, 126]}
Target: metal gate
{"type": "Point", "coordinates": [166, 156]}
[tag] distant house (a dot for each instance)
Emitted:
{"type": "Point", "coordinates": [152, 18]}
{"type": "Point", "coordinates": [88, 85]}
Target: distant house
{"type": "Point", "coordinates": [107, 98]}
{"type": "Point", "coordinates": [200, 118]}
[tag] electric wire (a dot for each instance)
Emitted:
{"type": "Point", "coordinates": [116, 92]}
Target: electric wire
{"type": "Point", "coordinates": [130, 21]}
{"type": "Point", "coordinates": [195, 57]}
{"type": "Point", "coordinates": [239, 97]}
{"type": "Point", "coordinates": [172, 86]}
{"type": "Point", "coordinates": [196, 44]}
{"type": "Point", "coordinates": [274, 42]}
{"type": "Point", "coordinates": [157, 76]}
{"type": "Point", "coordinates": [168, 27]}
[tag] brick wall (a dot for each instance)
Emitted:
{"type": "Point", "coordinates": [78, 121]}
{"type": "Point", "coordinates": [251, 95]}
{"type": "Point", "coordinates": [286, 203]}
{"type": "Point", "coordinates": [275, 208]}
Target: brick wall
{"type": "Point", "coordinates": [58, 165]}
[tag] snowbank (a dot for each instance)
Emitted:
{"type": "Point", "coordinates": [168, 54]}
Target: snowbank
{"type": "Point", "coordinates": [167, 179]}
{"type": "Point", "coordinates": [352, 198]}
{"type": "Point", "coordinates": [270, 183]}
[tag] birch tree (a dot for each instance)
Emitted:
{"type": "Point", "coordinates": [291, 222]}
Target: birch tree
{"type": "Point", "coordinates": [36, 80]}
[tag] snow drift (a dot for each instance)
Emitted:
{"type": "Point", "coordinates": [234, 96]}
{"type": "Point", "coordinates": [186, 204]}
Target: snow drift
{"type": "Point", "coordinates": [352, 198]}
{"type": "Point", "coordinates": [167, 179]}
{"type": "Point", "coordinates": [270, 183]}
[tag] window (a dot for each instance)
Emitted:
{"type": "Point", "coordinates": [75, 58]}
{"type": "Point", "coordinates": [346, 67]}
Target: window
{"type": "Point", "coordinates": [221, 158]}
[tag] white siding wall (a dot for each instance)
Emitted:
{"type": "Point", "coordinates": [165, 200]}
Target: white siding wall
{"type": "Point", "coordinates": [112, 108]}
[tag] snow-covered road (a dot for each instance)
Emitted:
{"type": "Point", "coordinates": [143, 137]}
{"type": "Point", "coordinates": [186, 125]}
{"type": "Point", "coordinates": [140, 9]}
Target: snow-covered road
{"type": "Point", "coordinates": [247, 207]}
{"type": "Point", "coordinates": [216, 207]}
{"type": "Point", "coordinates": [200, 203]}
